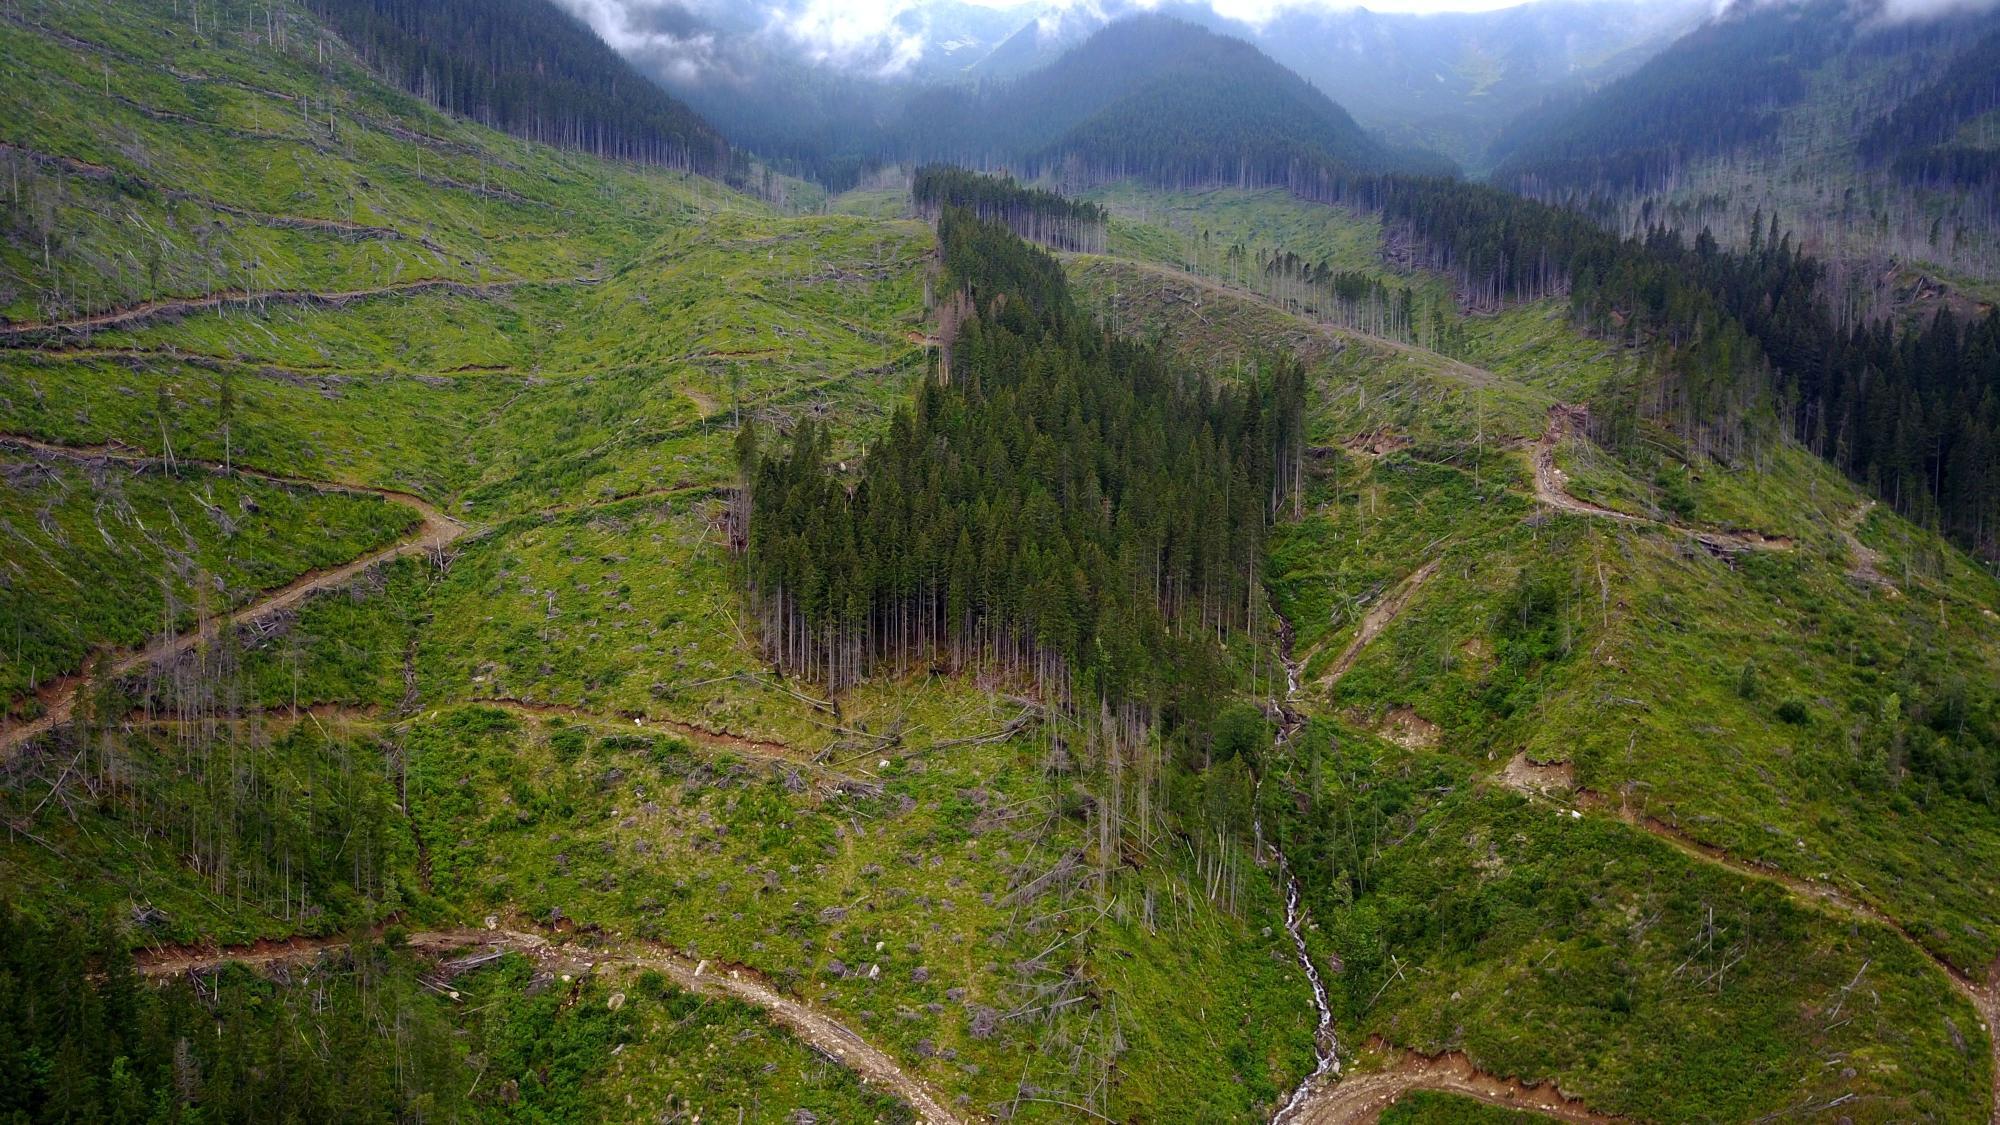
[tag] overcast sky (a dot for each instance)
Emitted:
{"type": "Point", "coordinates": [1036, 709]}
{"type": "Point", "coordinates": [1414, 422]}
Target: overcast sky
{"type": "Point", "coordinates": [886, 36]}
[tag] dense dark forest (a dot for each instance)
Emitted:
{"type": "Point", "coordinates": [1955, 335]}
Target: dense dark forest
{"type": "Point", "coordinates": [1744, 348]}
{"type": "Point", "coordinates": [1914, 414]}
{"type": "Point", "coordinates": [530, 69]}
{"type": "Point", "coordinates": [84, 1038]}
{"type": "Point", "coordinates": [1921, 140]}
{"type": "Point", "coordinates": [1059, 504]}
{"type": "Point", "coordinates": [1036, 215]}
{"type": "Point", "coordinates": [1716, 89]}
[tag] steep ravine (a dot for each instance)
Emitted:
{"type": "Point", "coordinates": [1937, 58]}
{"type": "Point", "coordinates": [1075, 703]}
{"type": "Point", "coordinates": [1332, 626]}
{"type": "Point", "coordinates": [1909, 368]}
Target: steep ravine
{"type": "Point", "coordinates": [1325, 1041]}
{"type": "Point", "coordinates": [1328, 1096]}
{"type": "Point", "coordinates": [1326, 1045]}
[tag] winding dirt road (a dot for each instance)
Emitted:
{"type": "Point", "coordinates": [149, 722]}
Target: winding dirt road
{"type": "Point", "coordinates": [1363, 1097]}
{"type": "Point", "coordinates": [59, 697]}
{"type": "Point", "coordinates": [820, 1030]}
{"type": "Point", "coordinates": [761, 749]}
{"type": "Point", "coordinates": [1552, 488]}
{"type": "Point", "coordinates": [1985, 996]}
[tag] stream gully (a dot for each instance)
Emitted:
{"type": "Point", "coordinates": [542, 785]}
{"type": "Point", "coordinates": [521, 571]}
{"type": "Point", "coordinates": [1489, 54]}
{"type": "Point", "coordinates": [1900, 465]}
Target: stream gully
{"type": "Point", "coordinates": [1325, 1045]}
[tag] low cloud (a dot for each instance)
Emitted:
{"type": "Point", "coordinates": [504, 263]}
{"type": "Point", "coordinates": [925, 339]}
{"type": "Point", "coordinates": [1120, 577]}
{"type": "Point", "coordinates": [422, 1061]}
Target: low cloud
{"type": "Point", "coordinates": [1929, 9]}
{"type": "Point", "coordinates": [699, 40]}
{"type": "Point", "coordinates": [883, 39]}
{"type": "Point", "coordinates": [1880, 11]}
{"type": "Point", "coordinates": [669, 38]}
{"type": "Point", "coordinates": [695, 41]}
{"type": "Point", "coordinates": [886, 38]}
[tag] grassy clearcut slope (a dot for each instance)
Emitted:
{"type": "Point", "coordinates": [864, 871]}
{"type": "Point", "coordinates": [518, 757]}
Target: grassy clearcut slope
{"type": "Point", "coordinates": [561, 725]}
{"type": "Point", "coordinates": [626, 773]}
{"type": "Point", "coordinates": [1822, 711]}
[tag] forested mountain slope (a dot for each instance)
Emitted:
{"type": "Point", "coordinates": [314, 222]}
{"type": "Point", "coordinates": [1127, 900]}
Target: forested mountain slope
{"type": "Point", "coordinates": [1716, 90]}
{"type": "Point", "coordinates": [528, 68]}
{"type": "Point", "coordinates": [1438, 81]}
{"type": "Point", "coordinates": [1839, 120]}
{"type": "Point", "coordinates": [1944, 135]}
{"type": "Point", "coordinates": [1448, 81]}
{"type": "Point", "coordinates": [1145, 91]}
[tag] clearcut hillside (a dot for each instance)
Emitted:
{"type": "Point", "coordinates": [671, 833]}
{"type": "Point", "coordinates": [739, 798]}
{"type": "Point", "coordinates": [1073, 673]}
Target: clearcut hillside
{"type": "Point", "coordinates": [388, 732]}
{"type": "Point", "coordinates": [374, 603]}
{"type": "Point", "coordinates": [1562, 697]}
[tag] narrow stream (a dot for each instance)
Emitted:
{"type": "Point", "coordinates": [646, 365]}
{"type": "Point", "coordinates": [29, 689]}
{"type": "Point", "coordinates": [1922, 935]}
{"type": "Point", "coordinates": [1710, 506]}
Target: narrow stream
{"type": "Point", "coordinates": [1325, 1045]}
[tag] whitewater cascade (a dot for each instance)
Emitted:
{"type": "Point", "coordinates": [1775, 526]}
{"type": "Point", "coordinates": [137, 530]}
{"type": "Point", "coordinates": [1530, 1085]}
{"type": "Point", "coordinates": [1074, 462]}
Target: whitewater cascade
{"type": "Point", "coordinates": [1326, 1047]}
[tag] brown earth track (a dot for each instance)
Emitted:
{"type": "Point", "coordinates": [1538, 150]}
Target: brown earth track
{"type": "Point", "coordinates": [170, 354]}
{"type": "Point", "coordinates": [341, 227]}
{"type": "Point", "coordinates": [283, 712]}
{"type": "Point", "coordinates": [1363, 1097]}
{"type": "Point", "coordinates": [818, 1029]}
{"type": "Point", "coordinates": [34, 331]}
{"type": "Point", "coordinates": [1867, 567]}
{"type": "Point", "coordinates": [434, 532]}
{"type": "Point", "coordinates": [77, 352]}
{"type": "Point", "coordinates": [1377, 619]}
{"type": "Point", "coordinates": [1552, 488]}
{"type": "Point", "coordinates": [761, 749]}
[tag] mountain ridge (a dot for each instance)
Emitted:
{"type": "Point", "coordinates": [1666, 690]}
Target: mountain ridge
{"type": "Point", "coordinates": [561, 88]}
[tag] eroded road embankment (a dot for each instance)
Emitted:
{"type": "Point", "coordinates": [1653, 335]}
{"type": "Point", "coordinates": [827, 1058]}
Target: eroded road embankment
{"type": "Point", "coordinates": [817, 1028]}
{"type": "Point", "coordinates": [1363, 1097]}
{"type": "Point", "coordinates": [434, 530]}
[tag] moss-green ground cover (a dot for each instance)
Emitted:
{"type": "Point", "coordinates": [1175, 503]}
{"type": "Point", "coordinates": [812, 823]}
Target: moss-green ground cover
{"type": "Point", "coordinates": [566, 722]}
